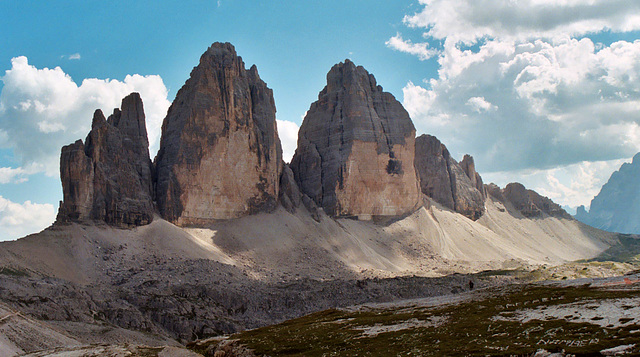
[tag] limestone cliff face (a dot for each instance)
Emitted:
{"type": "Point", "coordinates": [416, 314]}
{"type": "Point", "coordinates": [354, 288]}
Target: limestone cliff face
{"type": "Point", "coordinates": [528, 202]}
{"type": "Point", "coordinates": [456, 186]}
{"type": "Point", "coordinates": [108, 178]}
{"type": "Point", "coordinates": [220, 155]}
{"type": "Point", "coordinates": [356, 147]}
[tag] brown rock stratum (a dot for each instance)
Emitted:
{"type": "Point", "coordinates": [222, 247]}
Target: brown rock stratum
{"type": "Point", "coordinates": [356, 147]}
{"type": "Point", "coordinates": [220, 155]}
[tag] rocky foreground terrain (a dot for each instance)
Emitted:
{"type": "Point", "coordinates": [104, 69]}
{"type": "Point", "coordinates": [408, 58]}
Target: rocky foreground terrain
{"type": "Point", "coordinates": [589, 317]}
{"type": "Point", "coordinates": [218, 235]}
{"type": "Point", "coordinates": [160, 284]}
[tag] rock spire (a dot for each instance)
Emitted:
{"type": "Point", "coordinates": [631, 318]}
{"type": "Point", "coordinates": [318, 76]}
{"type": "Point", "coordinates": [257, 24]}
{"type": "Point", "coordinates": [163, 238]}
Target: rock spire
{"type": "Point", "coordinates": [356, 147]}
{"type": "Point", "coordinates": [220, 155]}
{"type": "Point", "coordinates": [108, 178]}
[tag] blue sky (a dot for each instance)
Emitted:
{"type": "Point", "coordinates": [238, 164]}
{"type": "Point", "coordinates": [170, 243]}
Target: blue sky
{"type": "Point", "coordinates": [511, 82]}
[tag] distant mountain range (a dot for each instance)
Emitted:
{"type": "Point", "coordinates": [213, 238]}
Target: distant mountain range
{"type": "Point", "coordinates": [617, 207]}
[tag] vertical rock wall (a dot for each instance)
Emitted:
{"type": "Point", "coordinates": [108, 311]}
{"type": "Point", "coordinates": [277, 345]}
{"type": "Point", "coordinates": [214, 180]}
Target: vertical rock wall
{"type": "Point", "coordinates": [356, 147]}
{"type": "Point", "coordinates": [109, 178]}
{"type": "Point", "coordinates": [453, 185]}
{"type": "Point", "coordinates": [220, 155]}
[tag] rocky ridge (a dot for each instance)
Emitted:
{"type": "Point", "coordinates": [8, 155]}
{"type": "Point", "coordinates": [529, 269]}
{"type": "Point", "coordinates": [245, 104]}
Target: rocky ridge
{"type": "Point", "coordinates": [220, 158]}
{"type": "Point", "coordinates": [528, 202]}
{"type": "Point", "coordinates": [456, 186]}
{"type": "Point", "coordinates": [108, 178]}
{"type": "Point", "coordinates": [356, 148]}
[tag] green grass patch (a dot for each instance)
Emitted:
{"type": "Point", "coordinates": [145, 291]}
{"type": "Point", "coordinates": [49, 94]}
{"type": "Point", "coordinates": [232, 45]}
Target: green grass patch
{"type": "Point", "coordinates": [468, 328]}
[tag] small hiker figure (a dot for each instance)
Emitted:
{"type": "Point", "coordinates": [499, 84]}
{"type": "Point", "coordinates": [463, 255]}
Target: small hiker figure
{"type": "Point", "coordinates": [470, 284]}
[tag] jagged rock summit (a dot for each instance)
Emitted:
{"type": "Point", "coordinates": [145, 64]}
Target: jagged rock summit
{"type": "Point", "coordinates": [528, 202]}
{"type": "Point", "coordinates": [616, 208]}
{"type": "Point", "coordinates": [356, 147]}
{"type": "Point", "coordinates": [220, 155]}
{"type": "Point", "coordinates": [454, 185]}
{"type": "Point", "coordinates": [108, 178]}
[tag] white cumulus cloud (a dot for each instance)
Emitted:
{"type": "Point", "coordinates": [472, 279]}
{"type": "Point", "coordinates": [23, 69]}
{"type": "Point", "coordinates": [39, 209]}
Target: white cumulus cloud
{"type": "Point", "coordinates": [422, 50]}
{"type": "Point", "coordinates": [479, 104]}
{"type": "Point", "coordinates": [43, 109]}
{"type": "Point", "coordinates": [18, 220]}
{"type": "Point", "coordinates": [521, 88]}
{"type": "Point", "coordinates": [11, 175]}
{"type": "Point", "coordinates": [470, 20]}
{"type": "Point", "coordinates": [288, 132]}
{"type": "Point", "coordinates": [535, 105]}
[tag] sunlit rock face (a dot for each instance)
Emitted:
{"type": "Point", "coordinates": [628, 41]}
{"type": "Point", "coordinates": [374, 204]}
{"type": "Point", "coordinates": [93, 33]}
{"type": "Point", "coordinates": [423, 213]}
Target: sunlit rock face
{"type": "Point", "coordinates": [355, 149]}
{"type": "Point", "coordinates": [109, 177]}
{"type": "Point", "coordinates": [220, 156]}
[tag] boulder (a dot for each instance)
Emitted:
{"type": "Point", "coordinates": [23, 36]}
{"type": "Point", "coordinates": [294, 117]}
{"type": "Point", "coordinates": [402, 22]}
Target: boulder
{"type": "Point", "coordinates": [355, 149]}
{"type": "Point", "coordinates": [220, 156]}
{"type": "Point", "coordinates": [109, 178]}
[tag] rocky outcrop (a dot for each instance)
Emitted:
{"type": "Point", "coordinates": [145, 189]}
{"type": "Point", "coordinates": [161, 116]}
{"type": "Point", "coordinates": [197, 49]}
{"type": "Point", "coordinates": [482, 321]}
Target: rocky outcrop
{"type": "Point", "coordinates": [616, 208]}
{"type": "Point", "coordinates": [582, 215]}
{"type": "Point", "coordinates": [290, 196]}
{"type": "Point", "coordinates": [109, 178]}
{"type": "Point", "coordinates": [355, 149]}
{"type": "Point", "coordinates": [220, 155]}
{"type": "Point", "coordinates": [494, 191]}
{"type": "Point", "coordinates": [458, 187]}
{"type": "Point", "coordinates": [469, 167]}
{"type": "Point", "coordinates": [528, 202]}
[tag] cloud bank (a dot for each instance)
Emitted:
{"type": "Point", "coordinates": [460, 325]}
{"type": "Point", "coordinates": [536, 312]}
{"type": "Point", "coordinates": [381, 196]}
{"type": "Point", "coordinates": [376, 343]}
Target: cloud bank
{"type": "Point", "coordinates": [468, 21]}
{"type": "Point", "coordinates": [522, 89]}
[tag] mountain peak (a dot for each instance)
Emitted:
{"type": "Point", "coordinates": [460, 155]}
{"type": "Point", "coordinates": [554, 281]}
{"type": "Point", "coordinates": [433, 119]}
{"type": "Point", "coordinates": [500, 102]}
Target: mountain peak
{"type": "Point", "coordinates": [347, 76]}
{"type": "Point", "coordinates": [220, 155]}
{"type": "Point", "coordinates": [454, 185]}
{"type": "Point", "coordinates": [356, 147]}
{"type": "Point", "coordinates": [109, 179]}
